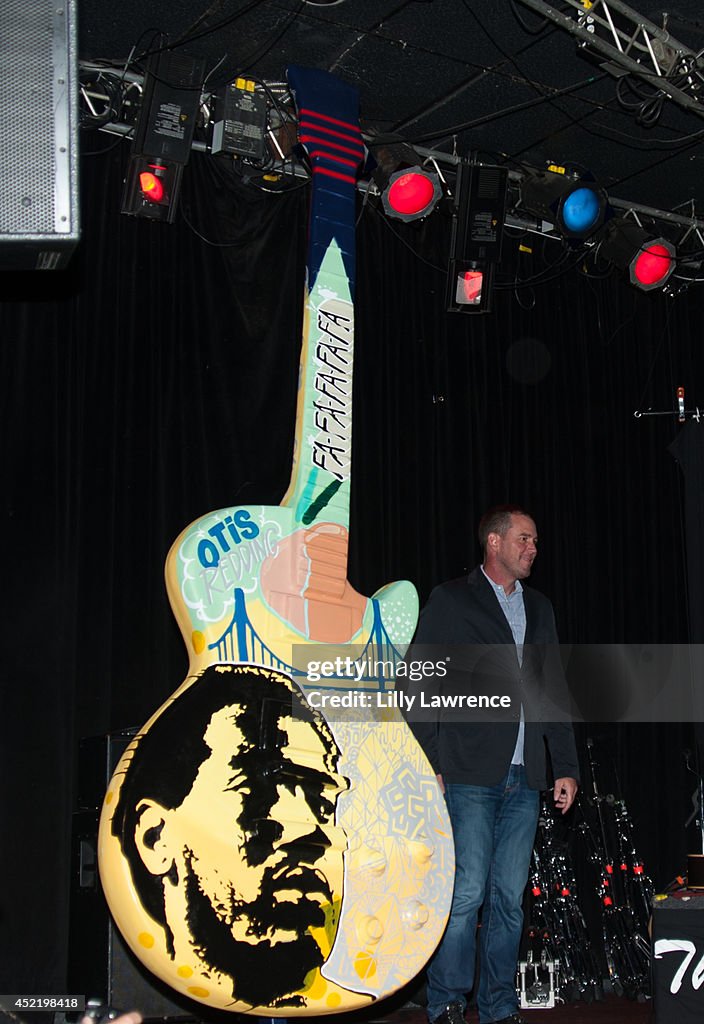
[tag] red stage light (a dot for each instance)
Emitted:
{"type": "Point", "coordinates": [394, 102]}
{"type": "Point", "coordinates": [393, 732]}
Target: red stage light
{"type": "Point", "coordinates": [411, 194]}
{"type": "Point", "coordinates": [472, 282]}
{"type": "Point", "coordinates": [652, 266]}
{"type": "Point", "coordinates": [151, 186]}
{"type": "Point", "coordinates": [469, 286]}
{"type": "Point", "coordinates": [649, 260]}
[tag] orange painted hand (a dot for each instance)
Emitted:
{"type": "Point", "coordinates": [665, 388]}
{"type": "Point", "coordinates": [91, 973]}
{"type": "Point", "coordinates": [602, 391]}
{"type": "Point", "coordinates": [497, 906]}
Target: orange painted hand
{"type": "Point", "coordinates": [306, 584]}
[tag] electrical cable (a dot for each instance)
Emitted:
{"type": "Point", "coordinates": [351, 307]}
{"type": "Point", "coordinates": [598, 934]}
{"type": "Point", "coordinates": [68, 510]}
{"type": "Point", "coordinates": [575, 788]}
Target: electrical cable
{"type": "Point", "coordinates": [537, 280]}
{"type": "Point", "coordinates": [219, 169]}
{"type": "Point", "coordinates": [389, 226]}
{"type": "Point", "coordinates": [482, 70]}
{"type": "Point", "coordinates": [512, 59]}
{"type": "Point", "coordinates": [519, 16]}
{"type": "Point", "coordinates": [189, 38]}
{"type": "Point", "coordinates": [446, 133]}
{"type": "Point", "coordinates": [607, 132]}
{"type": "Point", "coordinates": [105, 149]}
{"type": "Point", "coordinates": [190, 32]}
{"type": "Point", "coordinates": [258, 55]}
{"type": "Point", "coordinates": [209, 241]}
{"type": "Point", "coordinates": [648, 110]}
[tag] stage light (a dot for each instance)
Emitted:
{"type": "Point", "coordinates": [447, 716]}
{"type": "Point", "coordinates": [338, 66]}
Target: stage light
{"type": "Point", "coordinates": [654, 265]}
{"type": "Point", "coordinates": [152, 188]}
{"type": "Point", "coordinates": [478, 211]}
{"type": "Point", "coordinates": [409, 191]}
{"type": "Point", "coordinates": [580, 210]}
{"type": "Point", "coordinates": [649, 259]}
{"type": "Point", "coordinates": [470, 287]}
{"type": "Point", "coordinates": [163, 135]}
{"type": "Point", "coordinates": [575, 206]}
{"type": "Point", "coordinates": [411, 194]}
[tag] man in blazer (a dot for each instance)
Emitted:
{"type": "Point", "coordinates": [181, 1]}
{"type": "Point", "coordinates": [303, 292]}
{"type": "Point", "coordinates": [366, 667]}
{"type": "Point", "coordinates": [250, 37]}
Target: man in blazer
{"type": "Point", "coordinates": [501, 645]}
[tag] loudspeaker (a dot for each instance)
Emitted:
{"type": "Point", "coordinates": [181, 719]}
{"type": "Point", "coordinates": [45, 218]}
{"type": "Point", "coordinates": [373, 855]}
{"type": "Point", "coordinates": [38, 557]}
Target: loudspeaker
{"type": "Point", "coordinates": [39, 223]}
{"type": "Point", "coordinates": [100, 964]}
{"type": "Point", "coordinates": [678, 958]}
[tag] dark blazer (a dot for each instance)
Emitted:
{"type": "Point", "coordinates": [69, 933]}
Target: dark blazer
{"type": "Point", "coordinates": [464, 623]}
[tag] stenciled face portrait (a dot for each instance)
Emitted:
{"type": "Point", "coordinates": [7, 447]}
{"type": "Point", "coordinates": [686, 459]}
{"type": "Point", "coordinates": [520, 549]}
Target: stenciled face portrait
{"type": "Point", "coordinates": [246, 856]}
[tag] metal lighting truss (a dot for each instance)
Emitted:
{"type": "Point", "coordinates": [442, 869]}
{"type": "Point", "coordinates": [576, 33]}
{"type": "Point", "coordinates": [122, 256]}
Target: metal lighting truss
{"type": "Point", "coordinates": [632, 44]}
{"type": "Point", "coordinates": [109, 99]}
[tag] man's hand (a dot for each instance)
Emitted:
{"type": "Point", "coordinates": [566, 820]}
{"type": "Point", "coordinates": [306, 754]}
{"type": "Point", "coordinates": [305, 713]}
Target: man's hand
{"type": "Point", "coordinates": [564, 792]}
{"type": "Point", "coordinates": [131, 1017]}
{"type": "Point", "coordinates": [441, 784]}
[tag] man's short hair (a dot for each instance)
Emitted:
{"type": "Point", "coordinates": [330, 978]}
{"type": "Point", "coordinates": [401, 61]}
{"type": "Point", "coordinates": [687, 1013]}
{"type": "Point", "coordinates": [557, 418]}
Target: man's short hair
{"type": "Point", "coordinates": [497, 519]}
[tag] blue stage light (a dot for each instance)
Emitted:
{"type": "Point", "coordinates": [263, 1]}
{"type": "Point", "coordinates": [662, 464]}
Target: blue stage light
{"type": "Point", "coordinates": [580, 210]}
{"type": "Point", "coordinates": [576, 207]}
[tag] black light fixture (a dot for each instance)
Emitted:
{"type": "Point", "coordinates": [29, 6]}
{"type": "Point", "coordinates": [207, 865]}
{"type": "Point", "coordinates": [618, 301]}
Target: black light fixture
{"type": "Point", "coordinates": [576, 206]}
{"type": "Point", "coordinates": [479, 208]}
{"type": "Point", "coordinates": [163, 135]}
{"type": "Point", "coordinates": [649, 259]}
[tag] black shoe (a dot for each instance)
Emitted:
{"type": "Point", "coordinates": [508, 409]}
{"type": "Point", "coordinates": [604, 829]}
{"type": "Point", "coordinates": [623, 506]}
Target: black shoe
{"type": "Point", "coordinates": [452, 1014]}
{"type": "Point", "coordinates": [515, 1018]}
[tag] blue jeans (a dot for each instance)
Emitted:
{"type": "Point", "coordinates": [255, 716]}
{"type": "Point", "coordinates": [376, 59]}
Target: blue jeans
{"type": "Point", "coordinates": [494, 830]}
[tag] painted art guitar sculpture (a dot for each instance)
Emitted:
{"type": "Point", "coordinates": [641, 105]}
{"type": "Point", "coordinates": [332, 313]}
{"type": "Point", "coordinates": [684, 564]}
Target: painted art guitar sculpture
{"type": "Point", "coordinates": [258, 853]}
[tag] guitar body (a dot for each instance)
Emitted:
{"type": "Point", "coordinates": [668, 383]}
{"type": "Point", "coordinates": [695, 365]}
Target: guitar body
{"type": "Point", "coordinates": [274, 841]}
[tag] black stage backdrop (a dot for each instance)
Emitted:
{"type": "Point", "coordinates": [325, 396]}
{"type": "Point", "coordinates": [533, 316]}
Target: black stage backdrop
{"type": "Point", "coordinates": [155, 380]}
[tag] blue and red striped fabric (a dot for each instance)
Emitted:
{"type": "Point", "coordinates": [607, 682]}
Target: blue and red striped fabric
{"type": "Point", "coordinates": [335, 147]}
{"type": "Point", "coordinates": [328, 114]}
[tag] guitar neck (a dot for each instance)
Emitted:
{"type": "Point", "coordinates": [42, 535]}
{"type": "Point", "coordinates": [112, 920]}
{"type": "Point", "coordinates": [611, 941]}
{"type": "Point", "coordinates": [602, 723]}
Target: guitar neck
{"type": "Point", "coordinates": [319, 490]}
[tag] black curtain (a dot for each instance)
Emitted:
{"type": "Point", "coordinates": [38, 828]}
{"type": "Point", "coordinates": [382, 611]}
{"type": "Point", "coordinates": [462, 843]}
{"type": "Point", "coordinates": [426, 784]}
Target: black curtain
{"type": "Point", "coordinates": [155, 380]}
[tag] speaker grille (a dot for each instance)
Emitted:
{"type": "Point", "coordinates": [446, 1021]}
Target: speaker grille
{"type": "Point", "coordinates": [26, 101]}
{"type": "Point", "coordinates": [38, 149]}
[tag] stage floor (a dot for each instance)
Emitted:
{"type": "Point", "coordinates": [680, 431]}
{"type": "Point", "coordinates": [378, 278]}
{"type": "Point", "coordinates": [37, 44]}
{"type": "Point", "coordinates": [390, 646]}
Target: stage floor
{"type": "Point", "coordinates": [610, 1010]}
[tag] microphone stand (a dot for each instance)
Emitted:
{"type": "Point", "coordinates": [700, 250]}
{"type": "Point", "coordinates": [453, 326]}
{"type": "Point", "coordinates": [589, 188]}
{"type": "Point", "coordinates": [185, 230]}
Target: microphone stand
{"type": "Point", "coordinates": [627, 953]}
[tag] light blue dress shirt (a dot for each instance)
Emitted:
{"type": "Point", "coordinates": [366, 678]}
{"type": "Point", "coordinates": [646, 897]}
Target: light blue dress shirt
{"type": "Point", "coordinates": [514, 609]}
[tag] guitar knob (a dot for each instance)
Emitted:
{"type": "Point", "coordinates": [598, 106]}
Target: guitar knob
{"type": "Point", "coordinates": [372, 861]}
{"type": "Point", "coordinates": [420, 852]}
{"type": "Point", "coordinates": [415, 914]}
{"type": "Point", "coordinates": [369, 930]}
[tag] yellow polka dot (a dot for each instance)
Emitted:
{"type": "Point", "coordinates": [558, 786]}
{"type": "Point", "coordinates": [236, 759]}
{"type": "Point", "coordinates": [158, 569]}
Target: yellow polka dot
{"type": "Point", "coordinates": [198, 641]}
{"type": "Point", "coordinates": [108, 797]}
{"type": "Point", "coordinates": [333, 999]}
{"type": "Point", "coordinates": [365, 964]}
{"type": "Point", "coordinates": [145, 939]}
{"type": "Point", "coordinates": [198, 992]}
{"type": "Point", "coordinates": [184, 972]}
